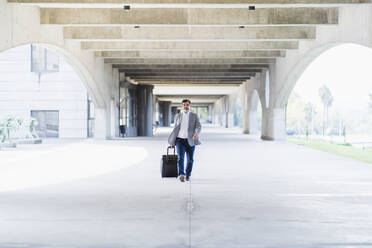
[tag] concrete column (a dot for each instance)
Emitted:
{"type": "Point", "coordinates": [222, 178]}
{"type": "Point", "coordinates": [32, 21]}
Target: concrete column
{"type": "Point", "coordinates": [245, 121]}
{"type": "Point", "coordinates": [273, 124]}
{"type": "Point", "coordinates": [226, 111]}
{"type": "Point", "coordinates": [230, 119]}
{"type": "Point", "coordinates": [214, 114]}
{"type": "Point", "coordinates": [273, 115]}
{"type": "Point", "coordinates": [144, 110]}
{"type": "Point", "coordinates": [252, 122]}
{"type": "Point", "coordinates": [218, 110]}
{"type": "Point", "coordinates": [250, 101]}
{"type": "Point", "coordinates": [244, 101]}
{"type": "Point", "coordinates": [221, 113]}
{"type": "Point", "coordinates": [116, 102]}
{"type": "Point", "coordinates": [100, 123]}
{"type": "Point", "coordinates": [228, 114]}
{"type": "Point", "coordinates": [165, 112]}
{"type": "Point", "coordinates": [209, 113]}
{"type": "Point", "coordinates": [173, 112]}
{"type": "Point", "coordinates": [113, 118]}
{"type": "Point", "coordinates": [111, 79]}
{"type": "Point", "coordinates": [154, 109]}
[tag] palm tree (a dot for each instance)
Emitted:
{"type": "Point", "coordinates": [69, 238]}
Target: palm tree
{"type": "Point", "coordinates": [309, 110]}
{"type": "Point", "coordinates": [327, 100]}
{"type": "Point", "coordinates": [2, 131]}
{"type": "Point", "coordinates": [11, 124]}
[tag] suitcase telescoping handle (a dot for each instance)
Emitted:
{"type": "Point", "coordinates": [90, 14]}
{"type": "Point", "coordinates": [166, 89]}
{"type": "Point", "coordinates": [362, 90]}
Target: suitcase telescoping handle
{"type": "Point", "coordinates": [174, 150]}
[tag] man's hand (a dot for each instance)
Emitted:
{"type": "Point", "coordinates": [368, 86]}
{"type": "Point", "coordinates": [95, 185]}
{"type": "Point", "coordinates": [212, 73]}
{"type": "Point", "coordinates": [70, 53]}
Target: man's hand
{"type": "Point", "coordinates": [195, 137]}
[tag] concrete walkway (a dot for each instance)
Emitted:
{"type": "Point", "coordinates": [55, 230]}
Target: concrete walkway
{"type": "Point", "coordinates": [244, 193]}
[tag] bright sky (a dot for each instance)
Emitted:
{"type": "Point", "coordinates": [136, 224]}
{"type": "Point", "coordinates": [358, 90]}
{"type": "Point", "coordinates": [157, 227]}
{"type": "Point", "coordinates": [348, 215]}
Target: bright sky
{"type": "Point", "coordinates": [346, 70]}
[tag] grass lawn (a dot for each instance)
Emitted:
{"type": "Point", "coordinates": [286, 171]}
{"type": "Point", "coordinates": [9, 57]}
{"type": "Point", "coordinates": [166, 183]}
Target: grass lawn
{"type": "Point", "coordinates": [338, 149]}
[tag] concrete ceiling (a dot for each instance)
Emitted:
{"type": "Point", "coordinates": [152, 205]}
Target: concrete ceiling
{"type": "Point", "coordinates": [197, 93]}
{"type": "Point", "coordinates": [189, 42]}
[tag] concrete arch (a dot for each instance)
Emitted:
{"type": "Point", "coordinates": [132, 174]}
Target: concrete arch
{"type": "Point", "coordinates": [79, 68]}
{"type": "Point", "coordinates": [300, 68]}
{"type": "Point", "coordinates": [254, 100]}
{"type": "Point", "coordinates": [251, 99]}
{"type": "Point", "coordinates": [253, 113]}
{"type": "Point", "coordinates": [354, 26]}
{"type": "Point", "coordinates": [238, 111]}
{"type": "Point", "coordinates": [21, 26]}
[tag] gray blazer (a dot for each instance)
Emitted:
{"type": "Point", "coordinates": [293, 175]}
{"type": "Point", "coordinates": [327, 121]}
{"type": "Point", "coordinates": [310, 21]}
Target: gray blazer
{"type": "Point", "coordinates": [194, 128]}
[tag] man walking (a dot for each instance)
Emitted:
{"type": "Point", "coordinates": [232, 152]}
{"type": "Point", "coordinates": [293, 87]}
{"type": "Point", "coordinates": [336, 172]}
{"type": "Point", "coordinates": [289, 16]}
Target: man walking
{"type": "Point", "coordinates": [185, 136]}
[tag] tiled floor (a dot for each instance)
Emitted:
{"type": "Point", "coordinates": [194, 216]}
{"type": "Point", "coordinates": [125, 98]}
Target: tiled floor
{"type": "Point", "coordinates": [244, 193]}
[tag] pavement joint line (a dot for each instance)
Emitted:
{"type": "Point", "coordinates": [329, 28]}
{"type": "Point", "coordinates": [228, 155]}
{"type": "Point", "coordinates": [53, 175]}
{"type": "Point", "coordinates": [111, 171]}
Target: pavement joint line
{"type": "Point", "coordinates": [342, 182]}
{"type": "Point", "coordinates": [326, 195]}
{"type": "Point", "coordinates": [190, 206]}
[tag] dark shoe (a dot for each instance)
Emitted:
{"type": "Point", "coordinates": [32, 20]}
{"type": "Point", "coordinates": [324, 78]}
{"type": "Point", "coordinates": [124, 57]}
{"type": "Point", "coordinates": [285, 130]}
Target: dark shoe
{"type": "Point", "coordinates": [182, 178]}
{"type": "Point", "coordinates": [187, 178]}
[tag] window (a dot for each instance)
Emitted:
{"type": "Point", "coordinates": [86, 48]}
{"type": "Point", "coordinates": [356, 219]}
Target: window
{"type": "Point", "coordinates": [132, 108]}
{"type": "Point", "coordinates": [48, 123]}
{"type": "Point", "coordinates": [123, 106]}
{"type": "Point", "coordinates": [90, 117]}
{"type": "Point", "coordinates": [128, 107]}
{"type": "Point", "coordinates": [43, 60]}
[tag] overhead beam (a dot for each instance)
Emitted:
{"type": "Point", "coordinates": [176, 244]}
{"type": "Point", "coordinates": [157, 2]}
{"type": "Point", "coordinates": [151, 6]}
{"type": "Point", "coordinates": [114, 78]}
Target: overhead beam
{"type": "Point", "coordinates": [194, 99]}
{"type": "Point", "coordinates": [189, 96]}
{"type": "Point", "coordinates": [190, 78]}
{"type": "Point", "coordinates": [194, 104]}
{"type": "Point", "coordinates": [191, 61]}
{"type": "Point", "coordinates": [182, 71]}
{"type": "Point", "coordinates": [172, 66]}
{"type": "Point", "coordinates": [256, 2]}
{"type": "Point", "coordinates": [195, 74]}
{"type": "Point", "coordinates": [182, 33]}
{"type": "Point", "coordinates": [191, 54]}
{"type": "Point", "coordinates": [194, 45]}
{"type": "Point", "coordinates": [193, 90]}
{"type": "Point", "coordinates": [191, 16]}
{"type": "Point", "coordinates": [185, 83]}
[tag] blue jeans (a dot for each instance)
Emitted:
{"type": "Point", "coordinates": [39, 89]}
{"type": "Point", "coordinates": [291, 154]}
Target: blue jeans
{"type": "Point", "coordinates": [183, 147]}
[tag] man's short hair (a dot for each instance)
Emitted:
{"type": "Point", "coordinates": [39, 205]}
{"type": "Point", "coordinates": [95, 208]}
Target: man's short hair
{"type": "Point", "coordinates": [186, 100]}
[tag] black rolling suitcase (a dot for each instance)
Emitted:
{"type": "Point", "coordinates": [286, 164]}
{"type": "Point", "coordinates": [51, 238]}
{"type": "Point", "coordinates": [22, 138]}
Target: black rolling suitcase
{"type": "Point", "coordinates": [168, 164]}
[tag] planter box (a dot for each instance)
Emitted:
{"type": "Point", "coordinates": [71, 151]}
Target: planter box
{"type": "Point", "coordinates": [9, 145]}
{"type": "Point", "coordinates": [29, 141]}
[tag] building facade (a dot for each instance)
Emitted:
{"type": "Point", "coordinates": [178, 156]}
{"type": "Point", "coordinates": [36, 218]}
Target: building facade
{"type": "Point", "coordinates": [35, 82]}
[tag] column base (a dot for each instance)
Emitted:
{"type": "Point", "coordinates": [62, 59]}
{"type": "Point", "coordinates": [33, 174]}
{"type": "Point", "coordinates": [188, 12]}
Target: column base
{"type": "Point", "coordinates": [273, 121]}
{"type": "Point", "coordinates": [100, 124]}
{"type": "Point", "coordinates": [263, 137]}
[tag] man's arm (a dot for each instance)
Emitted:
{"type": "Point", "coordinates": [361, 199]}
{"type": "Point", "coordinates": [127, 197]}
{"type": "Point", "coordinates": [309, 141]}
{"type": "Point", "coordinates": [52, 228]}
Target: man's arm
{"type": "Point", "coordinates": [197, 127]}
{"type": "Point", "coordinates": [176, 119]}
